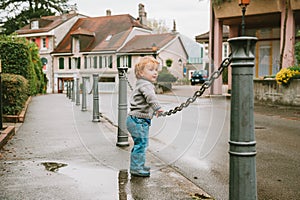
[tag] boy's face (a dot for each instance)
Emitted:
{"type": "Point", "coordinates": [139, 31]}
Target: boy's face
{"type": "Point", "coordinates": [150, 73]}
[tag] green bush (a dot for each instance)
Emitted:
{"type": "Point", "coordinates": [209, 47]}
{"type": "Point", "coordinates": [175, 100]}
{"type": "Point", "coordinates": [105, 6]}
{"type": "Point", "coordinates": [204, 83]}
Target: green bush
{"type": "Point", "coordinates": [21, 57]}
{"type": "Point", "coordinates": [15, 93]}
{"type": "Point", "coordinates": [165, 76]}
{"type": "Point", "coordinates": [165, 79]}
{"type": "Point", "coordinates": [169, 62]}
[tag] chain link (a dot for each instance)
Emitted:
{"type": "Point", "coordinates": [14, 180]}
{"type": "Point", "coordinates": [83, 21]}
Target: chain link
{"type": "Point", "coordinates": [215, 75]}
{"type": "Point", "coordinates": [129, 84]}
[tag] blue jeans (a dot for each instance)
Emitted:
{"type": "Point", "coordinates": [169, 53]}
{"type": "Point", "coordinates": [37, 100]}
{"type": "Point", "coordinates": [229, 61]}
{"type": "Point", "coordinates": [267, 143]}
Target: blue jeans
{"type": "Point", "coordinates": [139, 130]}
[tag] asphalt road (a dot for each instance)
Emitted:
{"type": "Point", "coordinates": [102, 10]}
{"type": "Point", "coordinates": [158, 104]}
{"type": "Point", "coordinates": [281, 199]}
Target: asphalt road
{"type": "Point", "coordinates": [196, 143]}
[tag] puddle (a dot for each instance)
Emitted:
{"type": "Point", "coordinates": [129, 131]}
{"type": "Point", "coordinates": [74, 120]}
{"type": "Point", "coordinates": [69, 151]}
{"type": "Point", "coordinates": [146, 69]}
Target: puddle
{"type": "Point", "coordinates": [94, 181]}
{"type": "Point", "coordinates": [53, 166]}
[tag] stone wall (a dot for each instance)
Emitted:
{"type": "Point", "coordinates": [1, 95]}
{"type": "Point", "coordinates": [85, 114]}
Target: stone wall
{"type": "Point", "coordinates": [268, 91]}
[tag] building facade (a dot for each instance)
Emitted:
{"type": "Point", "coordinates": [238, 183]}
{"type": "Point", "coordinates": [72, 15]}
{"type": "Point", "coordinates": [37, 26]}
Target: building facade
{"type": "Point", "coordinates": [274, 22]}
{"type": "Point", "coordinates": [47, 33]}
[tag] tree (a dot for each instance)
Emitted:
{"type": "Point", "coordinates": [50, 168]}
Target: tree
{"type": "Point", "coordinates": [17, 13]}
{"type": "Point", "coordinates": [158, 26]}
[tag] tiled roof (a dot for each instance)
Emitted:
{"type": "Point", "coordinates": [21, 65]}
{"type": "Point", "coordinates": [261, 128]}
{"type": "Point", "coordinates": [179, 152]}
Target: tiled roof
{"type": "Point", "coordinates": [144, 43]}
{"type": "Point", "coordinates": [46, 24]}
{"type": "Point", "coordinates": [81, 31]}
{"type": "Point", "coordinates": [205, 36]}
{"type": "Point", "coordinates": [109, 32]}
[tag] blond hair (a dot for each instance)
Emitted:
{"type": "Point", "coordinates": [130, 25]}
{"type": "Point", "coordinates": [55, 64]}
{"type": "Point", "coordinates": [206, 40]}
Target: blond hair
{"type": "Point", "coordinates": [143, 62]}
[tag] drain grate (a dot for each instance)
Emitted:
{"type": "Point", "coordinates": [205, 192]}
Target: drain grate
{"type": "Point", "coordinates": [260, 127]}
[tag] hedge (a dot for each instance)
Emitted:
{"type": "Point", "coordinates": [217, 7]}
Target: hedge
{"type": "Point", "coordinates": [15, 93]}
{"type": "Point", "coordinates": [21, 57]}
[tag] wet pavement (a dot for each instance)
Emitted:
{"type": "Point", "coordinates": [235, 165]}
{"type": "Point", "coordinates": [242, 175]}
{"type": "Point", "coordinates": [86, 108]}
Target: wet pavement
{"type": "Point", "coordinates": [59, 153]}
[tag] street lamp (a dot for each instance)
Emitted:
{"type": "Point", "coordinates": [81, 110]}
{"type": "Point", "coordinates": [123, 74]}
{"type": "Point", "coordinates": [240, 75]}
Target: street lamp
{"type": "Point", "coordinates": [243, 4]}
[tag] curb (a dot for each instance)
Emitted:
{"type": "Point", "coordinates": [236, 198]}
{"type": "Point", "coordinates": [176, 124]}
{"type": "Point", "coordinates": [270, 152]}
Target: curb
{"type": "Point", "coordinates": [6, 134]}
{"type": "Point", "coordinates": [18, 118]}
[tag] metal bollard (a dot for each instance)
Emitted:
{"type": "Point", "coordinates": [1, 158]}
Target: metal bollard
{"type": "Point", "coordinates": [122, 109]}
{"type": "Point", "coordinates": [83, 106]}
{"type": "Point", "coordinates": [242, 151]}
{"type": "Point", "coordinates": [73, 90]}
{"type": "Point", "coordinates": [69, 89]}
{"type": "Point", "coordinates": [77, 92]}
{"type": "Point", "coordinates": [67, 94]}
{"type": "Point", "coordinates": [96, 115]}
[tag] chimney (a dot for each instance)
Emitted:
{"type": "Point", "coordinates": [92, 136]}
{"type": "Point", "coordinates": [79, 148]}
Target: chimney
{"type": "Point", "coordinates": [73, 9]}
{"type": "Point", "coordinates": [108, 12]}
{"type": "Point", "coordinates": [142, 14]}
{"type": "Point", "coordinates": [174, 27]}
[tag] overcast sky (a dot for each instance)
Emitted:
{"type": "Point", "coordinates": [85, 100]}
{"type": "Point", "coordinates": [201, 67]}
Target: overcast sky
{"type": "Point", "coordinates": [191, 16]}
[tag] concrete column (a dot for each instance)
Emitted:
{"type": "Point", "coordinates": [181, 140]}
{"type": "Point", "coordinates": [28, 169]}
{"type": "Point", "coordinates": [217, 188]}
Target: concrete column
{"type": "Point", "coordinates": [217, 58]}
{"type": "Point", "coordinates": [289, 49]}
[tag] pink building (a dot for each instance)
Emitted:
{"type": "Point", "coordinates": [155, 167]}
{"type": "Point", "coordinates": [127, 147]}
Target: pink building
{"type": "Point", "coordinates": [274, 22]}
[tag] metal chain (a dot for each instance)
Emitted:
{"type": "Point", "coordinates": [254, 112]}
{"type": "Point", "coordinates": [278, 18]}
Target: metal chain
{"type": "Point", "coordinates": [129, 84]}
{"type": "Point", "coordinates": [225, 63]}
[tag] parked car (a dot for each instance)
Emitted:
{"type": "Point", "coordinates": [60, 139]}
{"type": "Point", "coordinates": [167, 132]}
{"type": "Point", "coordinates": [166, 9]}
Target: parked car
{"type": "Point", "coordinates": [199, 76]}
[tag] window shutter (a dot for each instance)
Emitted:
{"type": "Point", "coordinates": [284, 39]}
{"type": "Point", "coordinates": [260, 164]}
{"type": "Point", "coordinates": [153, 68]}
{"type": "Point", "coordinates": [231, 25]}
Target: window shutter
{"type": "Point", "coordinates": [110, 62]}
{"type": "Point", "coordinates": [118, 61]}
{"type": "Point", "coordinates": [100, 62]}
{"type": "Point", "coordinates": [78, 62]}
{"type": "Point", "coordinates": [129, 61]}
{"type": "Point", "coordinates": [70, 63]}
{"type": "Point", "coordinates": [61, 63]}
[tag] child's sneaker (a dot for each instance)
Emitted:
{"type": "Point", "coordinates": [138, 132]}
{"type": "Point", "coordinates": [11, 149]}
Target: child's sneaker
{"type": "Point", "coordinates": [141, 172]}
{"type": "Point", "coordinates": [146, 168]}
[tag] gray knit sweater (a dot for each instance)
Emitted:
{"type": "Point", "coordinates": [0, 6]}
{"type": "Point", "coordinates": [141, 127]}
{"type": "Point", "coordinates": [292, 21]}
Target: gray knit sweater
{"type": "Point", "coordinates": [143, 102]}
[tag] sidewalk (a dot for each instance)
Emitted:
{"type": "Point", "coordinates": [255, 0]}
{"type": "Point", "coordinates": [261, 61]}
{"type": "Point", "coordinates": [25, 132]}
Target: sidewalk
{"type": "Point", "coordinates": [59, 153]}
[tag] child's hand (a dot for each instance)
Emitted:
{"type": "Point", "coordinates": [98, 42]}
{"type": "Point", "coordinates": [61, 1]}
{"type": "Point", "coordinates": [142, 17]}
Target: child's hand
{"type": "Point", "coordinates": [158, 112]}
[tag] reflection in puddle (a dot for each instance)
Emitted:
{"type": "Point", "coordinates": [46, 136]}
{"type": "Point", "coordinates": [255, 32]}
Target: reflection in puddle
{"type": "Point", "coordinates": [53, 166]}
{"type": "Point", "coordinates": [96, 182]}
{"type": "Point", "coordinates": [123, 180]}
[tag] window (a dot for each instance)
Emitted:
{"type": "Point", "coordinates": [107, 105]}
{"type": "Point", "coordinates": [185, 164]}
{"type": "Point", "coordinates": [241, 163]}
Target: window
{"type": "Point", "coordinates": [264, 60]}
{"type": "Point", "coordinates": [124, 61]}
{"type": "Point", "coordinates": [95, 62]}
{"type": "Point", "coordinates": [78, 62]}
{"type": "Point", "coordinates": [44, 43]}
{"type": "Point", "coordinates": [110, 61]}
{"type": "Point", "coordinates": [85, 62]}
{"type": "Point", "coordinates": [34, 24]}
{"type": "Point", "coordinates": [70, 63]}
{"type": "Point", "coordinates": [225, 50]}
{"type": "Point", "coordinates": [100, 62]}
{"type": "Point", "coordinates": [61, 63]}
{"type": "Point", "coordinates": [108, 37]}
